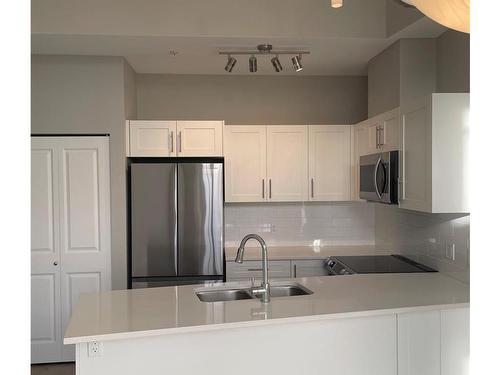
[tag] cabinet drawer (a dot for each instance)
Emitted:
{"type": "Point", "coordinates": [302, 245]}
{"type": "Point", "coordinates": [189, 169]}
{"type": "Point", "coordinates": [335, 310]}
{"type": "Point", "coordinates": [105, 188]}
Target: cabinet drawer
{"type": "Point", "coordinates": [308, 268]}
{"type": "Point", "coordinates": [253, 268]}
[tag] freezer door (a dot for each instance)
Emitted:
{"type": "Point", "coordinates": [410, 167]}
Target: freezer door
{"type": "Point", "coordinates": [153, 219]}
{"type": "Point", "coordinates": [200, 215]}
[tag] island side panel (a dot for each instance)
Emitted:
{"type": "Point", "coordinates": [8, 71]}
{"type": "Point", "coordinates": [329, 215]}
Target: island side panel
{"type": "Point", "coordinates": [360, 345]}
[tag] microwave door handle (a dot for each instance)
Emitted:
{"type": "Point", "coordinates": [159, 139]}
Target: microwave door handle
{"type": "Point", "coordinates": [377, 166]}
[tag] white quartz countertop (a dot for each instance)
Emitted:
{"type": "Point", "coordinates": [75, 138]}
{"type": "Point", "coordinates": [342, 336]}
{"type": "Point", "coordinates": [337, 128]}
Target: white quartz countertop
{"type": "Point", "coordinates": [304, 252]}
{"type": "Point", "coordinates": [126, 314]}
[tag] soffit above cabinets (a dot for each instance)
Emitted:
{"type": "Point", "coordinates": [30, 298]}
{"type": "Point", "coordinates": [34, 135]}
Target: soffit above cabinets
{"type": "Point", "coordinates": [341, 41]}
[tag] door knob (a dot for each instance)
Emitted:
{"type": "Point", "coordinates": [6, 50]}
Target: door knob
{"type": "Point", "coordinates": [56, 263]}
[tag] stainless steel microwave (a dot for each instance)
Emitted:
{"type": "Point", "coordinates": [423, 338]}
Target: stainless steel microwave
{"type": "Point", "coordinates": [378, 177]}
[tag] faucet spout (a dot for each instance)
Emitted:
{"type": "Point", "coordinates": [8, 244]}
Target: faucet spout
{"type": "Point", "coordinates": [264, 290]}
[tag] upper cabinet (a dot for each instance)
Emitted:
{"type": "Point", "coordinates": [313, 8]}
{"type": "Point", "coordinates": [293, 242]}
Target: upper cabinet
{"type": "Point", "coordinates": [282, 163]}
{"type": "Point", "coordinates": [245, 163]}
{"type": "Point", "coordinates": [287, 163]}
{"type": "Point", "coordinates": [329, 162]}
{"type": "Point", "coordinates": [174, 138]}
{"type": "Point", "coordinates": [434, 154]}
{"type": "Point", "coordinates": [379, 133]}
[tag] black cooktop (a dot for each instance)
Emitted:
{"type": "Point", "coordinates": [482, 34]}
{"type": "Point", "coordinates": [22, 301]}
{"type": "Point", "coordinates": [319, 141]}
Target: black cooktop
{"type": "Point", "coordinates": [382, 264]}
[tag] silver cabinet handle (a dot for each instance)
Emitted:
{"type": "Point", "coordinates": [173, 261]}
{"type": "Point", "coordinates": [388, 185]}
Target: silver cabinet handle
{"type": "Point", "coordinates": [312, 187]}
{"type": "Point", "coordinates": [180, 141]}
{"type": "Point", "coordinates": [171, 141]}
{"type": "Point", "coordinates": [263, 194]}
{"type": "Point", "coordinates": [294, 270]}
{"type": "Point", "coordinates": [270, 189]}
{"type": "Point", "coordinates": [381, 136]}
{"type": "Point", "coordinates": [56, 263]}
{"type": "Point", "coordinates": [254, 269]}
{"type": "Point", "coordinates": [378, 137]}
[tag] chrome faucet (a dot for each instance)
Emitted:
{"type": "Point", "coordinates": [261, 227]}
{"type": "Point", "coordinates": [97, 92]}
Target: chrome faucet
{"type": "Point", "coordinates": [264, 288]}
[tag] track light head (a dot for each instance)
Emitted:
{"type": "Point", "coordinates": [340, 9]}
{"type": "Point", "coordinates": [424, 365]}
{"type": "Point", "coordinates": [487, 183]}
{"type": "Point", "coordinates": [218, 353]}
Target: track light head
{"type": "Point", "coordinates": [231, 62]}
{"type": "Point", "coordinates": [252, 64]}
{"type": "Point", "coordinates": [276, 64]}
{"type": "Point", "coordinates": [297, 63]}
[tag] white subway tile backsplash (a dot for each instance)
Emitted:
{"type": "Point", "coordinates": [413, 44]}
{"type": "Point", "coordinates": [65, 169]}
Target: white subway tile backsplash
{"type": "Point", "coordinates": [425, 237]}
{"type": "Point", "coordinates": [302, 223]}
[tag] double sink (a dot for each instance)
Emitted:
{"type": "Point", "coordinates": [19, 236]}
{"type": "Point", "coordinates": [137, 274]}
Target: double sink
{"type": "Point", "coordinates": [234, 294]}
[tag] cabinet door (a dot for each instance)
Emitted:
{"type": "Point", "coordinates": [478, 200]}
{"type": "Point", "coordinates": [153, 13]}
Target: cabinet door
{"type": "Point", "coordinates": [389, 131]}
{"type": "Point", "coordinates": [455, 342]}
{"type": "Point", "coordinates": [245, 163]}
{"type": "Point", "coordinates": [415, 156]}
{"type": "Point", "coordinates": [419, 343]}
{"type": "Point", "coordinates": [287, 163]}
{"type": "Point", "coordinates": [199, 138]}
{"type": "Point", "coordinates": [373, 137]}
{"type": "Point", "coordinates": [46, 329]}
{"type": "Point", "coordinates": [152, 138]}
{"type": "Point", "coordinates": [329, 162]}
{"type": "Point", "coordinates": [278, 269]}
{"type": "Point", "coordinates": [85, 222]}
{"type": "Point", "coordinates": [309, 268]}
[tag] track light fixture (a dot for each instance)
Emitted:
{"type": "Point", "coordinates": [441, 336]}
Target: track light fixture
{"type": "Point", "coordinates": [252, 64]}
{"type": "Point", "coordinates": [297, 64]}
{"type": "Point", "coordinates": [231, 62]}
{"type": "Point", "coordinates": [337, 3]}
{"type": "Point", "coordinates": [276, 64]}
{"type": "Point", "coordinates": [264, 49]}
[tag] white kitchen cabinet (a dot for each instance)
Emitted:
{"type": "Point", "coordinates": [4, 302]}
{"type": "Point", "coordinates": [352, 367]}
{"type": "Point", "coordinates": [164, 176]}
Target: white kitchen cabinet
{"type": "Point", "coordinates": [308, 268]}
{"type": "Point", "coordinates": [278, 269]}
{"type": "Point", "coordinates": [245, 163]}
{"type": "Point", "coordinates": [455, 340]}
{"type": "Point", "coordinates": [434, 157]}
{"type": "Point", "coordinates": [152, 138]}
{"type": "Point", "coordinates": [329, 162]}
{"type": "Point", "coordinates": [287, 163]}
{"type": "Point", "coordinates": [70, 235]}
{"type": "Point", "coordinates": [174, 138]}
{"type": "Point", "coordinates": [199, 138]}
{"type": "Point", "coordinates": [389, 130]}
{"type": "Point", "coordinates": [419, 344]}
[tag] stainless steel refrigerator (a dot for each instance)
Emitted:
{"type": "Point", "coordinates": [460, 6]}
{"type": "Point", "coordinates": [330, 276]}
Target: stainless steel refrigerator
{"type": "Point", "coordinates": [176, 225]}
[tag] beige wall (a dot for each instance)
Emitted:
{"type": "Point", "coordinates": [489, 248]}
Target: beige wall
{"type": "Point", "coordinates": [253, 100]}
{"type": "Point", "coordinates": [453, 62]}
{"type": "Point", "coordinates": [78, 95]}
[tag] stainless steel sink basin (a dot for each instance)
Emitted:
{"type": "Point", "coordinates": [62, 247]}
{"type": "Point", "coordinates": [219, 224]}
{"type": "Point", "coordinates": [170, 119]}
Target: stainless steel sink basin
{"type": "Point", "coordinates": [223, 295]}
{"type": "Point", "coordinates": [219, 295]}
{"type": "Point", "coordinates": [289, 290]}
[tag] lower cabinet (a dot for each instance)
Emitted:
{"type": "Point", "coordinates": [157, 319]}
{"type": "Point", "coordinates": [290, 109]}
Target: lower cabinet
{"type": "Point", "coordinates": [308, 268]}
{"type": "Point", "coordinates": [278, 269]}
{"type": "Point", "coordinates": [434, 342]}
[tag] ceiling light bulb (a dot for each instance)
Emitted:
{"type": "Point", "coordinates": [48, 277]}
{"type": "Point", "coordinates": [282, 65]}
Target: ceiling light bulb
{"type": "Point", "coordinates": [337, 3]}
{"type": "Point", "coordinates": [231, 62]}
{"type": "Point", "coordinates": [252, 64]}
{"type": "Point", "coordinates": [296, 61]}
{"type": "Point", "coordinates": [276, 63]}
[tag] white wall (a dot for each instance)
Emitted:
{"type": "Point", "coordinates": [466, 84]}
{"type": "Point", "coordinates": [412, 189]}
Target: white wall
{"type": "Point", "coordinates": [82, 95]}
{"type": "Point", "coordinates": [342, 223]}
{"type": "Point", "coordinates": [423, 237]}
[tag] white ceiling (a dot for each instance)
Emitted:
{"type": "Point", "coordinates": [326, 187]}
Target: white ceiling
{"type": "Point", "coordinates": [341, 43]}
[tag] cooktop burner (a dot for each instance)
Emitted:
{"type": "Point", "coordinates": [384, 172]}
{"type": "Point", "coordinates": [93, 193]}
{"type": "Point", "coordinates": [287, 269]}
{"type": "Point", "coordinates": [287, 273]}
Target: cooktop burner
{"type": "Point", "coordinates": [342, 265]}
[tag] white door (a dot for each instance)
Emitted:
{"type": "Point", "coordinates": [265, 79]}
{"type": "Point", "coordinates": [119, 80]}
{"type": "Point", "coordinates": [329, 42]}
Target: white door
{"type": "Point", "coordinates": [245, 163]}
{"type": "Point", "coordinates": [416, 156]}
{"type": "Point", "coordinates": [46, 330]}
{"type": "Point", "coordinates": [199, 138]}
{"type": "Point", "coordinates": [287, 163]}
{"type": "Point", "coordinates": [329, 162]}
{"type": "Point", "coordinates": [389, 131]}
{"type": "Point", "coordinates": [455, 338]}
{"type": "Point", "coordinates": [85, 222]}
{"type": "Point", "coordinates": [152, 138]}
{"type": "Point", "coordinates": [80, 231]}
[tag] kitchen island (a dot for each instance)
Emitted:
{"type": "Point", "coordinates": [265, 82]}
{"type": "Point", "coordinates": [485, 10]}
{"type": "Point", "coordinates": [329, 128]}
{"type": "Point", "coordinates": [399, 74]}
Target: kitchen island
{"type": "Point", "coordinates": [364, 324]}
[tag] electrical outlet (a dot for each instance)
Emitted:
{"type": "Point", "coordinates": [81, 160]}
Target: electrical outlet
{"type": "Point", "coordinates": [450, 250]}
{"type": "Point", "coordinates": [94, 349]}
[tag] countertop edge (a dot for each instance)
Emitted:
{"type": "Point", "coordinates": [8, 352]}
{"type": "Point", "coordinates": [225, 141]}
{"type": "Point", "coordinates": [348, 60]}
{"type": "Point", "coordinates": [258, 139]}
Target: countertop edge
{"type": "Point", "coordinates": [253, 323]}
